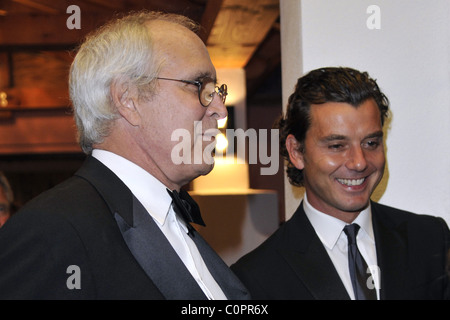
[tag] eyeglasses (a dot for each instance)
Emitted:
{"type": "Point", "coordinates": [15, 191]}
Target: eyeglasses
{"type": "Point", "coordinates": [206, 89]}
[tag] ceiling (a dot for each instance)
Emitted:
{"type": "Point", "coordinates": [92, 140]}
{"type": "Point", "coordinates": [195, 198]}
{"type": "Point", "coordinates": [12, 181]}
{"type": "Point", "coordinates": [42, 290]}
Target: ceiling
{"type": "Point", "coordinates": [238, 34]}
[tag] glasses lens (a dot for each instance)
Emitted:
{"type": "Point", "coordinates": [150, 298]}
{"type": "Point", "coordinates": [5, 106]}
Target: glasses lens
{"type": "Point", "coordinates": [207, 92]}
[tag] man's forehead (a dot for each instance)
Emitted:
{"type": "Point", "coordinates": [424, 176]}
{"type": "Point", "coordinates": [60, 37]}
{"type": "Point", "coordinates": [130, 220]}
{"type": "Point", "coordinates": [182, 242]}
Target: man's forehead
{"type": "Point", "coordinates": [163, 28]}
{"type": "Point", "coordinates": [182, 53]}
{"type": "Point", "coordinates": [332, 109]}
{"type": "Point", "coordinates": [329, 116]}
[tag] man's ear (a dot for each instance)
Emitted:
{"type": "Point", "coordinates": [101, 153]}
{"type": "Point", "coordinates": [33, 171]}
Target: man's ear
{"type": "Point", "coordinates": [295, 150]}
{"type": "Point", "coordinates": [124, 97]}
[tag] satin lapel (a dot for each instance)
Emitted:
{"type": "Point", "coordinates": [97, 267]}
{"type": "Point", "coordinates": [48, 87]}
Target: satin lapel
{"type": "Point", "coordinates": [142, 236]}
{"type": "Point", "coordinates": [310, 261]}
{"type": "Point", "coordinates": [225, 278]}
{"type": "Point", "coordinates": [157, 257]}
{"type": "Point", "coordinates": [392, 253]}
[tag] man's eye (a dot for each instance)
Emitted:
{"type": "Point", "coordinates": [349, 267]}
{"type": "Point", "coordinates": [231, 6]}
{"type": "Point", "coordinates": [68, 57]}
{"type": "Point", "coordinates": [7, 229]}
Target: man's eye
{"type": "Point", "coordinates": [372, 144]}
{"type": "Point", "coordinates": [335, 146]}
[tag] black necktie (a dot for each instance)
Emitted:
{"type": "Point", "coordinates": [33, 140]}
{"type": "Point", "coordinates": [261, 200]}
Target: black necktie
{"type": "Point", "coordinates": [186, 207]}
{"type": "Point", "coordinates": [359, 272]}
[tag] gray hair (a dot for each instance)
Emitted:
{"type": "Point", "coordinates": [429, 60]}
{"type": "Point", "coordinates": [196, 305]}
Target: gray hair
{"type": "Point", "coordinates": [121, 49]}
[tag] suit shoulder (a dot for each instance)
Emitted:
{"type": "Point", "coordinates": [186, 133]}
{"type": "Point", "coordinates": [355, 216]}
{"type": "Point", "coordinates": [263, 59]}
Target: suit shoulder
{"type": "Point", "coordinates": [70, 194]}
{"type": "Point", "coordinates": [399, 215]}
{"type": "Point", "coordinates": [62, 206]}
{"type": "Point", "coordinates": [266, 250]}
{"type": "Point", "coordinates": [417, 224]}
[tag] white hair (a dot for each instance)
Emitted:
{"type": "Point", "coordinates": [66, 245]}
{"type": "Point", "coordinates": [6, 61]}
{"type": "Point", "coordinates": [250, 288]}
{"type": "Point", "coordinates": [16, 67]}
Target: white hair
{"type": "Point", "coordinates": [121, 49]}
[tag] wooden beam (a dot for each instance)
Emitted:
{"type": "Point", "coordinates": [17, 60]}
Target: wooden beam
{"type": "Point", "coordinates": [5, 70]}
{"type": "Point", "coordinates": [38, 6]}
{"type": "Point", "coordinates": [238, 30]}
{"type": "Point", "coordinates": [115, 5]}
{"type": "Point", "coordinates": [209, 17]}
{"type": "Point", "coordinates": [38, 131]}
{"type": "Point", "coordinates": [42, 30]}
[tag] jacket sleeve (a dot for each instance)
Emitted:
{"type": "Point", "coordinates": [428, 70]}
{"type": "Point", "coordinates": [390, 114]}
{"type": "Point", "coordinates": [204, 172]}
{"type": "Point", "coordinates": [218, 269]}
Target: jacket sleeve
{"type": "Point", "coordinates": [37, 261]}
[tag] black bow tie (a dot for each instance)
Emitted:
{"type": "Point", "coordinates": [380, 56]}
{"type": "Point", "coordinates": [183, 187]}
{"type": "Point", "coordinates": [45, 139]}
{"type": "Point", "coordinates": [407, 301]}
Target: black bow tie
{"type": "Point", "coordinates": [186, 207]}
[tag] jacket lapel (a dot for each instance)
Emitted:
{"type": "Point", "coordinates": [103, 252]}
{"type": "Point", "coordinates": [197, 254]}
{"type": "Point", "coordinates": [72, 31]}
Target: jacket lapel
{"type": "Point", "coordinates": [391, 246]}
{"type": "Point", "coordinates": [169, 273]}
{"type": "Point", "coordinates": [157, 257]}
{"type": "Point", "coordinates": [225, 278]}
{"type": "Point", "coordinates": [310, 261]}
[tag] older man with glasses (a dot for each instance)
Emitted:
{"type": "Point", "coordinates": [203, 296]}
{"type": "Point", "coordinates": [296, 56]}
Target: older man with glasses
{"type": "Point", "coordinates": [120, 228]}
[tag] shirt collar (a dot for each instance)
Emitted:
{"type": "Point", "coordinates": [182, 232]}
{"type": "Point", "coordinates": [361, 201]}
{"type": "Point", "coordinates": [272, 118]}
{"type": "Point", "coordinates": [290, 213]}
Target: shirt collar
{"type": "Point", "coordinates": [329, 228]}
{"type": "Point", "coordinates": [150, 192]}
{"type": "Point", "coordinates": [364, 220]}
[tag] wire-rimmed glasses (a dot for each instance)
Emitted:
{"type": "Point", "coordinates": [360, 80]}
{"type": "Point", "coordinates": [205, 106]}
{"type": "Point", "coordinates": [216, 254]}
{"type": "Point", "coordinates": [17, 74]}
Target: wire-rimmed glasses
{"type": "Point", "coordinates": [206, 89]}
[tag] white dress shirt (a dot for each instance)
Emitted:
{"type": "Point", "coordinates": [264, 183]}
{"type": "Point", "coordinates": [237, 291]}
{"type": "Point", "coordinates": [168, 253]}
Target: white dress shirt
{"type": "Point", "coordinates": [330, 232]}
{"type": "Point", "coordinates": [152, 194]}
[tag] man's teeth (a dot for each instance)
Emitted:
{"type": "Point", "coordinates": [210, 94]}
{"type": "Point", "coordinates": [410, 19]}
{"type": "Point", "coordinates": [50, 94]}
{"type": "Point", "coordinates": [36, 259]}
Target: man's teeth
{"type": "Point", "coordinates": [351, 182]}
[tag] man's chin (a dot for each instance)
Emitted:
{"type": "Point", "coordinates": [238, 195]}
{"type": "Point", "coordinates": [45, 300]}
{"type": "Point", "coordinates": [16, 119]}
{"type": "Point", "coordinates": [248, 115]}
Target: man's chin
{"type": "Point", "coordinates": [209, 169]}
{"type": "Point", "coordinates": [356, 207]}
{"type": "Point", "coordinates": [205, 168]}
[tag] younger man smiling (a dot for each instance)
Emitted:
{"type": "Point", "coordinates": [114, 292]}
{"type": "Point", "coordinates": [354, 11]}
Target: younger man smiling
{"type": "Point", "coordinates": [332, 138]}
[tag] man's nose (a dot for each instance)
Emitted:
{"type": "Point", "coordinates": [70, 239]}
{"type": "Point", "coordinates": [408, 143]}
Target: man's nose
{"type": "Point", "coordinates": [357, 159]}
{"type": "Point", "coordinates": [217, 108]}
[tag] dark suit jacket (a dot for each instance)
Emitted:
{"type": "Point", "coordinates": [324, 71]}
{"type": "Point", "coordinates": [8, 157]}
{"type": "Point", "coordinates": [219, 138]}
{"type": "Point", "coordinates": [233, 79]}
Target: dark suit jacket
{"type": "Point", "coordinates": [293, 263]}
{"type": "Point", "coordinates": [92, 221]}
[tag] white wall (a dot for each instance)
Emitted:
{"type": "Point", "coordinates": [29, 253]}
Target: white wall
{"type": "Point", "coordinates": [410, 58]}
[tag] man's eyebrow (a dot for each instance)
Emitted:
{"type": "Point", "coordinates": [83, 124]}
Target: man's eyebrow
{"type": "Point", "coordinates": [339, 137]}
{"type": "Point", "coordinates": [203, 75]}
{"type": "Point", "coordinates": [377, 134]}
{"type": "Point", "coordinates": [334, 137]}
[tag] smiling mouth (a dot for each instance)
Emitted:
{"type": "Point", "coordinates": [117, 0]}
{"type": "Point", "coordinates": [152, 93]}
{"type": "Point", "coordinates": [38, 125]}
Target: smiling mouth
{"type": "Point", "coordinates": [351, 182]}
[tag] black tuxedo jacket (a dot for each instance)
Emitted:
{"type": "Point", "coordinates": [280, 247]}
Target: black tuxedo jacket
{"type": "Point", "coordinates": [90, 238]}
{"type": "Point", "coordinates": [293, 263]}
